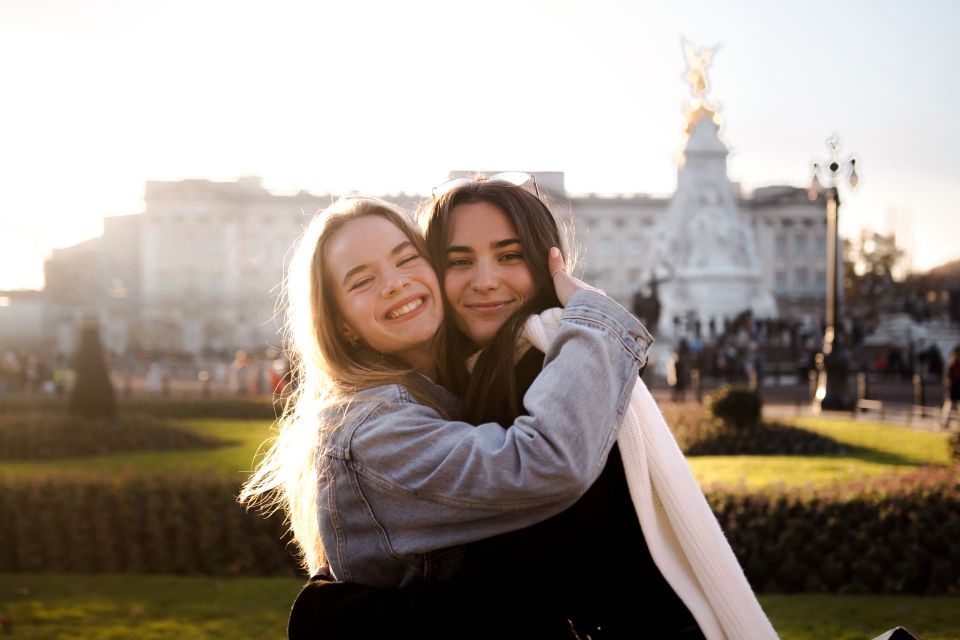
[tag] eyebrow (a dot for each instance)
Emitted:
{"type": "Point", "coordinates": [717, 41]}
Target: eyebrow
{"type": "Point", "coordinates": [360, 267]}
{"type": "Point", "coordinates": [499, 244]}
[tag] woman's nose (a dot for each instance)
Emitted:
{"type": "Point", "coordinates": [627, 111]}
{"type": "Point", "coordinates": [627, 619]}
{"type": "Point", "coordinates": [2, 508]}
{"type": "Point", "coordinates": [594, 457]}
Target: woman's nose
{"type": "Point", "coordinates": [484, 277]}
{"type": "Point", "coordinates": [393, 282]}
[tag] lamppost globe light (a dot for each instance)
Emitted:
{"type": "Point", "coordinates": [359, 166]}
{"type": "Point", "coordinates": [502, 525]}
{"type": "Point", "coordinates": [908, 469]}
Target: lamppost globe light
{"type": "Point", "coordinates": [831, 172]}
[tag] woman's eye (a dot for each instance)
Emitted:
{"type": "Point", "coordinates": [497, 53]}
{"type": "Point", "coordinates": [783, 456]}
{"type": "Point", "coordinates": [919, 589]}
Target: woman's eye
{"type": "Point", "coordinates": [362, 282]}
{"type": "Point", "coordinates": [408, 259]}
{"type": "Point", "coordinates": [457, 262]}
{"type": "Point", "coordinates": [511, 257]}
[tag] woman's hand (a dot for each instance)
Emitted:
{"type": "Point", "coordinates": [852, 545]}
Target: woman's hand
{"type": "Point", "coordinates": [565, 284]}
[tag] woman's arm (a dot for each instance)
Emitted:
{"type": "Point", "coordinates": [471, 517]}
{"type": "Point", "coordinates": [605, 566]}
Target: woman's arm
{"type": "Point", "coordinates": [465, 482]}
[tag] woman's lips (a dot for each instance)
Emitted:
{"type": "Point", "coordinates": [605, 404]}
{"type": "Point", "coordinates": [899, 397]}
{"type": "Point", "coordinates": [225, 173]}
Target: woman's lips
{"type": "Point", "coordinates": [488, 307]}
{"type": "Point", "coordinates": [407, 309]}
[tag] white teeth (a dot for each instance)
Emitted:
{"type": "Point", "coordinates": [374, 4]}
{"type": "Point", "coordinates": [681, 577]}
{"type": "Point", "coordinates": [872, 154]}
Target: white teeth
{"type": "Point", "coordinates": [405, 309]}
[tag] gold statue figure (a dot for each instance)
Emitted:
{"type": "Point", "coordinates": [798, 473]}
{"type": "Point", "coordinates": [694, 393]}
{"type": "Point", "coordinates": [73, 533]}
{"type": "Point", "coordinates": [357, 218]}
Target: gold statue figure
{"type": "Point", "coordinates": [697, 63]}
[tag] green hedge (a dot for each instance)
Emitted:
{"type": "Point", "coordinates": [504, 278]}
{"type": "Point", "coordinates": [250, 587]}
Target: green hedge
{"type": "Point", "coordinates": [898, 533]}
{"type": "Point", "coordinates": [894, 534]}
{"type": "Point", "coordinates": [186, 524]}
{"type": "Point", "coordinates": [45, 435]}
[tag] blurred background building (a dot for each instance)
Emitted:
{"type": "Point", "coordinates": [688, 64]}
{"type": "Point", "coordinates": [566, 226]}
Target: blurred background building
{"type": "Point", "coordinates": [200, 269]}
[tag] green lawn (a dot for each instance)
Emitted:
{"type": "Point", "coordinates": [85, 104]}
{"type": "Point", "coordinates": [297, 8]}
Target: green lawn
{"type": "Point", "coordinates": [849, 617]}
{"type": "Point", "coordinates": [233, 460]}
{"type": "Point", "coordinates": [112, 607]}
{"type": "Point", "coordinates": [877, 449]}
{"type": "Point", "coordinates": [177, 608]}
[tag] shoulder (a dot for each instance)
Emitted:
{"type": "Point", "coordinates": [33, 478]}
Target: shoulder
{"type": "Point", "coordinates": [372, 416]}
{"type": "Point", "coordinates": [592, 308]}
{"type": "Point", "coordinates": [360, 405]}
{"type": "Point", "coordinates": [383, 393]}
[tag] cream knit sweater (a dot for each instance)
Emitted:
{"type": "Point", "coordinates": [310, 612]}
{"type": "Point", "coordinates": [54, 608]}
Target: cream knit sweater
{"type": "Point", "coordinates": [683, 535]}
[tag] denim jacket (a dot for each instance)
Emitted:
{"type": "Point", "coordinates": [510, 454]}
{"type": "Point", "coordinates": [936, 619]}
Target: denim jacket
{"type": "Point", "coordinates": [403, 489]}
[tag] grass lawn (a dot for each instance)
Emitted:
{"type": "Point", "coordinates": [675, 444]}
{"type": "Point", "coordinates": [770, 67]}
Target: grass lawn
{"type": "Point", "coordinates": [234, 460]}
{"type": "Point", "coordinates": [120, 607]}
{"type": "Point", "coordinates": [175, 608]}
{"type": "Point", "coordinates": [849, 617]}
{"type": "Point", "coordinates": [876, 449]}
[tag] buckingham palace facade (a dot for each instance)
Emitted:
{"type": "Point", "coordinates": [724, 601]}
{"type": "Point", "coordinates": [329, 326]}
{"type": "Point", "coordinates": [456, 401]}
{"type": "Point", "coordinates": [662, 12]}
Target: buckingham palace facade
{"type": "Point", "coordinates": [200, 269]}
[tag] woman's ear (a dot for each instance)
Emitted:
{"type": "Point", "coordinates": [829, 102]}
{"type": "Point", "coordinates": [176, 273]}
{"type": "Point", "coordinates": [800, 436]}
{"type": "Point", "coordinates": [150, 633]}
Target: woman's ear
{"type": "Point", "coordinates": [348, 333]}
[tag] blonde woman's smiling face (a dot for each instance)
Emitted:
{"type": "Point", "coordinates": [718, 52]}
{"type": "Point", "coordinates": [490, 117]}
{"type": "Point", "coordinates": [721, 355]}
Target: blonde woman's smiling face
{"type": "Point", "coordinates": [487, 278]}
{"type": "Point", "coordinates": [386, 291]}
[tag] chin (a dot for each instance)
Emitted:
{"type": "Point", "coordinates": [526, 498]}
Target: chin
{"type": "Point", "coordinates": [482, 338]}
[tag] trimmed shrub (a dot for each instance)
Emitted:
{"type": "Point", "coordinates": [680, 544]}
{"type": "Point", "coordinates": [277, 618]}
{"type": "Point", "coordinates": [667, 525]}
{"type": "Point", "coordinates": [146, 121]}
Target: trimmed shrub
{"type": "Point", "coordinates": [699, 434]}
{"type": "Point", "coordinates": [893, 534]}
{"type": "Point", "coordinates": [38, 435]}
{"type": "Point", "coordinates": [764, 439]}
{"type": "Point", "coordinates": [736, 406]}
{"type": "Point", "coordinates": [92, 394]}
{"type": "Point", "coordinates": [187, 524]}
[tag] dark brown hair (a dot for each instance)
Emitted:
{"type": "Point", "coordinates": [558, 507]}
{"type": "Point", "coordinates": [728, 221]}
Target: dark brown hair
{"type": "Point", "coordinates": [489, 393]}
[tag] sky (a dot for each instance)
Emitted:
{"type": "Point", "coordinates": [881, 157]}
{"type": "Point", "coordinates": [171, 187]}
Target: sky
{"type": "Point", "coordinates": [100, 96]}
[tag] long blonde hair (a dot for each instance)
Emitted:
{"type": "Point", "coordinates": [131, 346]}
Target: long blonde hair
{"type": "Point", "coordinates": [326, 371]}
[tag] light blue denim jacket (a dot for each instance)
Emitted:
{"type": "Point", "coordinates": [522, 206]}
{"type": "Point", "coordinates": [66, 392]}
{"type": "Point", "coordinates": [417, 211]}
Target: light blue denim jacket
{"type": "Point", "coordinates": [403, 489]}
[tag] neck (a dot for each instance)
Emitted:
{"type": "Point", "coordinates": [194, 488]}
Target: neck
{"type": "Point", "coordinates": [423, 363]}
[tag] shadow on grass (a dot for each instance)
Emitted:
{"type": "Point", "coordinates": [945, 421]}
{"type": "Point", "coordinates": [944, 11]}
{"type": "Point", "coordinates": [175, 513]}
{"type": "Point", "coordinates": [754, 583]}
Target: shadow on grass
{"type": "Point", "coordinates": [876, 456]}
{"type": "Point", "coordinates": [770, 438]}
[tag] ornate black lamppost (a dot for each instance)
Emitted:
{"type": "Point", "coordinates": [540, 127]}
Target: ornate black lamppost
{"type": "Point", "coordinates": [833, 363]}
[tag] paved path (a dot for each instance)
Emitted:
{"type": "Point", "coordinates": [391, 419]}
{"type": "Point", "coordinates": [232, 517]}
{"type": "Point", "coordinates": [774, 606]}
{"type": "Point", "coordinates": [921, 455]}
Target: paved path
{"type": "Point", "coordinates": [793, 400]}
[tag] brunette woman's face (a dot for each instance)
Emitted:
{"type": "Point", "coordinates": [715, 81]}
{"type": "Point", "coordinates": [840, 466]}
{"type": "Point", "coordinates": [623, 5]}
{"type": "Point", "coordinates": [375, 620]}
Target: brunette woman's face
{"type": "Point", "coordinates": [487, 278]}
{"type": "Point", "coordinates": [386, 291]}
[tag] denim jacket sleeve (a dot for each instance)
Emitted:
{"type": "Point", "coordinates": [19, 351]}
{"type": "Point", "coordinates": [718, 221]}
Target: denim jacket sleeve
{"type": "Point", "coordinates": [433, 483]}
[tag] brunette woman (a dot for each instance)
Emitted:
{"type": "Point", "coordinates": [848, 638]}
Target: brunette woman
{"type": "Point", "coordinates": [489, 242]}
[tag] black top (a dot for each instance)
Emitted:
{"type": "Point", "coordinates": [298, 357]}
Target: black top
{"type": "Point", "coordinates": [591, 561]}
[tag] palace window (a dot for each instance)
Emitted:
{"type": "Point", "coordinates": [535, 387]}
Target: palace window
{"type": "Point", "coordinates": [781, 245]}
{"type": "Point", "coordinates": [780, 282]}
{"type": "Point", "coordinates": [800, 280]}
{"type": "Point", "coordinates": [820, 282]}
{"type": "Point", "coordinates": [800, 244]}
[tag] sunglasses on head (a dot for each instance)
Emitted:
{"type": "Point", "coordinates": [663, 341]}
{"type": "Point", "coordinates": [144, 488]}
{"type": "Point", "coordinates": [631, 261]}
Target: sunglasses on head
{"type": "Point", "coordinates": [515, 178]}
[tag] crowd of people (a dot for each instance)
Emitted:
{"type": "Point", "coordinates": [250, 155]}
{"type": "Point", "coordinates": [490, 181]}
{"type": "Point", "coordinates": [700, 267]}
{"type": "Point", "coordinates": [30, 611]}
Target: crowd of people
{"type": "Point", "coordinates": [745, 350]}
{"type": "Point", "coordinates": [143, 373]}
{"type": "Point", "coordinates": [33, 373]}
